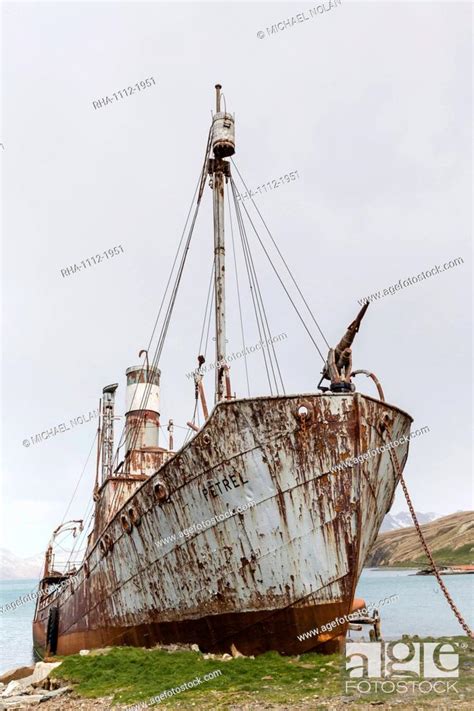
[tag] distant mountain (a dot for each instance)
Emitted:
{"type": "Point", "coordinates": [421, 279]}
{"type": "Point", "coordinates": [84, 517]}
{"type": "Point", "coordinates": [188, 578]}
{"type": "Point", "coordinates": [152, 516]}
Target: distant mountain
{"type": "Point", "coordinates": [14, 568]}
{"type": "Point", "coordinates": [392, 522]}
{"type": "Point", "coordinates": [450, 539]}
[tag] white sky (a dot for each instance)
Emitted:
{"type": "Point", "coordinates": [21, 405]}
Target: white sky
{"type": "Point", "coordinates": [369, 102]}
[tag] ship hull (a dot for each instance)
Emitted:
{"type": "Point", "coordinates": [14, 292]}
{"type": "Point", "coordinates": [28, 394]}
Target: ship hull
{"type": "Point", "coordinates": [294, 531]}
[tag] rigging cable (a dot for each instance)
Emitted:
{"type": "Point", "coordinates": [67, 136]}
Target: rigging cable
{"type": "Point", "coordinates": [88, 517]}
{"type": "Point", "coordinates": [255, 302]}
{"type": "Point", "coordinates": [238, 295]}
{"type": "Point", "coordinates": [206, 342]}
{"type": "Point", "coordinates": [263, 314]}
{"type": "Point", "coordinates": [208, 305]}
{"type": "Point", "coordinates": [284, 287]}
{"type": "Point", "coordinates": [199, 191]}
{"type": "Point", "coordinates": [122, 435]}
{"type": "Point", "coordinates": [388, 437]}
{"type": "Point", "coordinates": [79, 480]}
{"type": "Point", "coordinates": [165, 326]}
{"type": "Point", "coordinates": [252, 294]}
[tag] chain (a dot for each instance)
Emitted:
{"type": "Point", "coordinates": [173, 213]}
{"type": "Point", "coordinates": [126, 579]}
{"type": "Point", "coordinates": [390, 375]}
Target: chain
{"type": "Point", "coordinates": [443, 587]}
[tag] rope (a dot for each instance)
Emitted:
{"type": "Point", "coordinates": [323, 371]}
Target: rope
{"type": "Point", "coordinates": [199, 191]}
{"type": "Point", "coordinates": [238, 295]}
{"type": "Point", "coordinates": [208, 305]}
{"type": "Point", "coordinates": [79, 480]}
{"type": "Point", "coordinates": [283, 285]}
{"type": "Point", "coordinates": [385, 434]}
{"type": "Point", "coordinates": [158, 350]}
{"type": "Point", "coordinates": [206, 342]}
{"type": "Point", "coordinates": [281, 255]}
{"type": "Point", "coordinates": [252, 294]}
{"type": "Point", "coordinates": [269, 339]}
{"type": "Point", "coordinates": [164, 329]}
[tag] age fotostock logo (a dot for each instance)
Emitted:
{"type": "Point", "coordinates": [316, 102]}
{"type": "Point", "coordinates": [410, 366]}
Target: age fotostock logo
{"type": "Point", "coordinates": [401, 667]}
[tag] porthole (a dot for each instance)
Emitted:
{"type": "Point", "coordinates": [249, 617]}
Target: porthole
{"type": "Point", "coordinates": [135, 518]}
{"type": "Point", "coordinates": [161, 491]}
{"type": "Point", "coordinates": [125, 521]}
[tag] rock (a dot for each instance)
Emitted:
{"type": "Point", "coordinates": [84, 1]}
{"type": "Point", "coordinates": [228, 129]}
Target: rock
{"type": "Point", "coordinates": [42, 670]}
{"type": "Point", "coordinates": [235, 652]}
{"type": "Point", "coordinates": [22, 686]}
{"type": "Point", "coordinates": [84, 652]}
{"type": "Point", "coordinates": [18, 702]}
{"type": "Point", "coordinates": [13, 689]}
{"type": "Point", "coordinates": [170, 647]}
{"type": "Point", "coordinates": [209, 656]}
{"type": "Point", "coordinates": [264, 678]}
{"type": "Point", "coordinates": [49, 684]}
{"type": "Point", "coordinates": [14, 674]}
{"type": "Point", "coordinates": [195, 648]}
{"type": "Point", "coordinates": [99, 651]}
{"type": "Point", "coordinates": [56, 693]}
{"type": "Point", "coordinates": [226, 658]}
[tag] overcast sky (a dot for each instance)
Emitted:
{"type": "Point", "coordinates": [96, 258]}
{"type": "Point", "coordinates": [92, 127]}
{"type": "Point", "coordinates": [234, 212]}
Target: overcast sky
{"type": "Point", "coordinates": [369, 102]}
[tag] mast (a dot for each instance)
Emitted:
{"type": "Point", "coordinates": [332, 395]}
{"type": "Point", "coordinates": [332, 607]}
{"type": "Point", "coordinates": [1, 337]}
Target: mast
{"type": "Point", "coordinates": [99, 445]}
{"type": "Point", "coordinates": [223, 145]}
{"type": "Point", "coordinates": [107, 448]}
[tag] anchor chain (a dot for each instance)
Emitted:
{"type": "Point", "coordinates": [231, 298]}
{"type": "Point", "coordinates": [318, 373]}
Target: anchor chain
{"type": "Point", "coordinates": [386, 432]}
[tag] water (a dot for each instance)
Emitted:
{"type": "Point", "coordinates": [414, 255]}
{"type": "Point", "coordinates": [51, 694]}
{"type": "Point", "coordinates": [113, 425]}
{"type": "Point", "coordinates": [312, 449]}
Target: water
{"type": "Point", "coordinates": [420, 609]}
{"type": "Point", "coordinates": [16, 640]}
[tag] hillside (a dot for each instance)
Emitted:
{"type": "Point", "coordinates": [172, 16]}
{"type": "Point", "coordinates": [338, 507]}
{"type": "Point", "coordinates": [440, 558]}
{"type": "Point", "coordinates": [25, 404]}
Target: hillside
{"type": "Point", "coordinates": [14, 568]}
{"type": "Point", "coordinates": [451, 540]}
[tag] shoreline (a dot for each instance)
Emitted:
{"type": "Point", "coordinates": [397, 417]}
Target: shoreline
{"type": "Point", "coordinates": [128, 677]}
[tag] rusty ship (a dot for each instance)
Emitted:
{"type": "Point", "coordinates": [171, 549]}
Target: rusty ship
{"type": "Point", "coordinates": [249, 534]}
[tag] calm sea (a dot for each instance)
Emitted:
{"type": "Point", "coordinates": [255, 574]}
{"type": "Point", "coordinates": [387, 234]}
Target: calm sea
{"type": "Point", "coordinates": [420, 609]}
{"type": "Point", "coordinates": [16, 646]}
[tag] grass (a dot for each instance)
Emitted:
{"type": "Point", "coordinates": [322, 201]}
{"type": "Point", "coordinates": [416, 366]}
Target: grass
{"type": "Point", "coordinates": [442, 556]}
{"type": "Point", "coordinates": [131, 675]}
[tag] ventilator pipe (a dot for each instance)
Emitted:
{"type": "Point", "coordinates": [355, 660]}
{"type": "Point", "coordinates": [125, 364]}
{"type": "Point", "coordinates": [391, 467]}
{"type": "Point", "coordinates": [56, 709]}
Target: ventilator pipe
{"type": "Point", "coordinates": [374, 378]}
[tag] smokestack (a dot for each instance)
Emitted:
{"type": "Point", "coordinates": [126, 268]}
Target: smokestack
{"type": "Point", "coordinates": [142, 418]}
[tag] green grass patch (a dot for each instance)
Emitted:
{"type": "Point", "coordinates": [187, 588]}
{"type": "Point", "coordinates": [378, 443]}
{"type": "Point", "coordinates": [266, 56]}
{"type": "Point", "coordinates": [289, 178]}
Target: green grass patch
{"type": "Point", "coordinates": [442, 556]}
{"type": "Point", "coordinates": [132, 675]}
